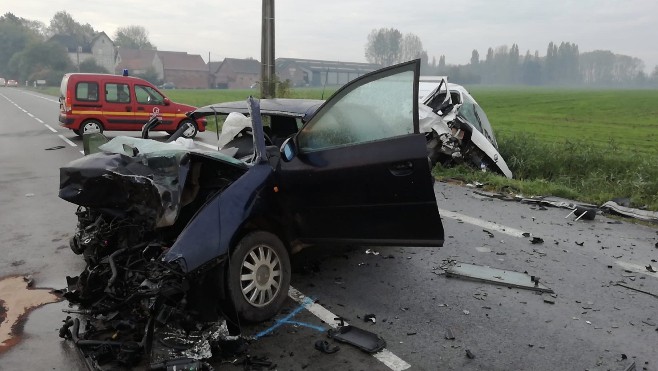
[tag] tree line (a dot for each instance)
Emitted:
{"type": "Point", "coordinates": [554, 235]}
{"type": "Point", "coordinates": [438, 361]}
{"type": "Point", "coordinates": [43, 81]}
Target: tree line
{"type": "Point", "coordinates": [562, 65]}
{"type": "Point", "coordinates": [29, 54]}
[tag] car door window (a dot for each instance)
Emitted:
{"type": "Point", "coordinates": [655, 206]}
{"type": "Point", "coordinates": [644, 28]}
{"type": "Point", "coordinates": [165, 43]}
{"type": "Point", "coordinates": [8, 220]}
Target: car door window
{"type": "Point", "coordinates": [86, 91]}
{"type": "Point", "coordinates": [372, 110]}
{"type": "Point", "coordinates": [467, 111]}
{"type": "Point", "coordinates": [117, 93]}
{"type": "Point", "coordinates": [148, 95]}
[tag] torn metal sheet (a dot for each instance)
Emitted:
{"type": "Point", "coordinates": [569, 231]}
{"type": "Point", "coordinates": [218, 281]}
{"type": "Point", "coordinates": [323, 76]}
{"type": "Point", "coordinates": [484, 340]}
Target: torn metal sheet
{"type": "Point", "coordinates": [496, 276]}
{"type": "Point", "coordinates": [647, 215]}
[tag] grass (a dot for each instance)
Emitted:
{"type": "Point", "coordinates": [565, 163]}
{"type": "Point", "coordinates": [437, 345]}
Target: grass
{"type": "Point", "coordinates": [589, 145]}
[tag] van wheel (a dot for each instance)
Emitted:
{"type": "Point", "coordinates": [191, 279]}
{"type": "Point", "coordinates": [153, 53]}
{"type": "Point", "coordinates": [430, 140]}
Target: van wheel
{"type": "Point", "coordinates": [89, 127]}
{"type": "Point", "coordinates": [258, 276]}
{"type": "Point", "coordinates": [191, 130]}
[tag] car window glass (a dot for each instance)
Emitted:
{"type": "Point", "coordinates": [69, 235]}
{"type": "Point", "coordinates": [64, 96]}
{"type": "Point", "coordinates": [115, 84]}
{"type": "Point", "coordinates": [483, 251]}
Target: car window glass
{"type": "Point", "coordinates": [86, 91]}
{"type": "Point", "coordinates": [148, 95]}
{"type": "Point", "coordinates": [486, 126]}
{"type": "Point", "coordinates": [373, 110]}
{"type": "Point", "coordinates": [117, 93]}
{"type": "Point", "coordinates": [467, 111]}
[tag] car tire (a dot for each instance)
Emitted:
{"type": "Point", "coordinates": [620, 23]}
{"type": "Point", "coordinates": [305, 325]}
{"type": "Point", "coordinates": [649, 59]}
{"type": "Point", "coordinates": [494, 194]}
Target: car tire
{"type": "Point", "coordinates": [90, 126]}
{"type": "Point", "coordinates": [258, 276]}
{"type": "Point", "coordinates": [192, 131]}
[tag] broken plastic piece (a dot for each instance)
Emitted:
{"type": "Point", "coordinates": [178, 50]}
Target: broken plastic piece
{"type": "Point", "coordinates": [536, 240]}
{"type": "Point", "coordinates": [469, 354]}
{"type": "Point", "coordinates": [370, 318]}
{"type": "Point", "coordinates": [362, 339]}
{"type": "Point", "coordinates": [495, 276]}
{"type": "Point", "coordinates": [449, 334]}
{"type": "Point", "coordinates": [324, 347]}
{"type": "Point", "coordinates": [648, 267]}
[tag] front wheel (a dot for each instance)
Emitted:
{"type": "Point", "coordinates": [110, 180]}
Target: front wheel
{"type": "Point", "coordinates": [258, 276]}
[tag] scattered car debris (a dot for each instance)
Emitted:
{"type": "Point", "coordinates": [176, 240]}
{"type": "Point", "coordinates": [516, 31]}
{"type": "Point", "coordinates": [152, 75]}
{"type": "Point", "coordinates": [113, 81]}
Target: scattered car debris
{"type": "Point", "coordinates": [29, 280]}
{"type": "Point", "coordinates": [615, 208]}
{"type": "Point", "coordinates": [362, 339]}
{"type": "Point", "coordinates": [54, 148]}
{"type": "Point", "coordinates": [449, 334]}
{"type": "Point", "coordinates": [495, 276]}
{"type": "Point", "coordinates": [630, 367]}
{"type": "Point", "coordinates": [466, 312]}
{"type": "Point", "coordinates": [370, 318]}
{"type": "Point", "coordinates": [491, 235]}
{"type": "Point", "coordinates": [469, 354]}
{"type": "Point", "coordinates": [635, 289]}
{"type": "Point", "coordinates": [373, 252]}
{"type": "Point", "coordinates": [580, 243]}
{"type": "Point", "coordinates": [536, 240]}
{"type": "Point", "coordinates": [325, 347]}
{"type": "Point", "coordinates": [650, 268]}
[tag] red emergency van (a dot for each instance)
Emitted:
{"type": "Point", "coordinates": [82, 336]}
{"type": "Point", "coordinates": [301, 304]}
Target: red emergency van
{"type": "Point", "coordinates": [93, 103]}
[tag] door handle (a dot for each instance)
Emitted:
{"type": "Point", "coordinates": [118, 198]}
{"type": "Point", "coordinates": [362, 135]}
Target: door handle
{"type": "Point", "coordinates": [403, 168]}
{"type": "Point", "coordinates": [140, 108]}
{"type": "Point", "coordinates": [128, 108]}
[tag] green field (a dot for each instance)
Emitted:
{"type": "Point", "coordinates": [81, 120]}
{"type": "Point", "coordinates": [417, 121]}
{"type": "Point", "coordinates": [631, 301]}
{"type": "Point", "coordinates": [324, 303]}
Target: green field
{"type": "Point", "coordinates": [627, 118]}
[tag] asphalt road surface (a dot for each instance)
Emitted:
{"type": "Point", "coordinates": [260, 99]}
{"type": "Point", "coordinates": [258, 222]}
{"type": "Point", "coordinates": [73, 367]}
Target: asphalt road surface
{"type": "Point", "coordinates": [591, 323]}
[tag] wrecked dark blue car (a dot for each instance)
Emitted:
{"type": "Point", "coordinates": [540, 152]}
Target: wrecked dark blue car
{"type": "Point", "coordinates": [192, 236]}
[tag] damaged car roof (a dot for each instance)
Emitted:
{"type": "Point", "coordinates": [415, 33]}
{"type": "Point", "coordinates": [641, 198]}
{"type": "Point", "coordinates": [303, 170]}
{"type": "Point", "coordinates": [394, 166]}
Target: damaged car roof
{"type": "Point", "coordinates": [301, 108]}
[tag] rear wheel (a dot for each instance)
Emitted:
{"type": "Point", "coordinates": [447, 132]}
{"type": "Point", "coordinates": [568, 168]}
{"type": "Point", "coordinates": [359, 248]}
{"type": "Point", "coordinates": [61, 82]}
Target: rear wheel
{"type": "Point", "coordinates": [258, 276]}
{"type": "Point", "coordinates": [89, 127]}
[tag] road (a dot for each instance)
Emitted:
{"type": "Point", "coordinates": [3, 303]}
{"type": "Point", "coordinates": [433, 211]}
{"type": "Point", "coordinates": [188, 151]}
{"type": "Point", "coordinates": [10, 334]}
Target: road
{"type": "Point", "coordinates": [593, 324]}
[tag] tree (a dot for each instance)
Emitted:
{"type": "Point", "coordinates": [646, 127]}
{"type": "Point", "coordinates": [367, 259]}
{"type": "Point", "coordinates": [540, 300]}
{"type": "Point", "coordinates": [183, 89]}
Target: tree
{"type": "Point", "coordinates": [91, 66]}
{"type": "Point", "coordinates": [133, 37]}
{"type": "Point", "coordinates": [15, 35]}
{"type": "Point", "coordinates": [41, 61]}
{"type": "Point", "coordinates": [475, 58]}
{"type": "Point", "coordinates": [383, 46]}
{"type": "Point", "coordinates": [63, 23]}
{"type": "Point", "coordinates": [411, 48]}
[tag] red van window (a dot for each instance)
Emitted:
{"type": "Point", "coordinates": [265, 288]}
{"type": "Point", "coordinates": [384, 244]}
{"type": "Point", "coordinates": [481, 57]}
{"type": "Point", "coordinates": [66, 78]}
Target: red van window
{"type": "Point", "coordinates": [117, 93]}
{"type": "Point", "coordinates": [86, 91]}
{"type": "Point", "coordinates": [148, 95]}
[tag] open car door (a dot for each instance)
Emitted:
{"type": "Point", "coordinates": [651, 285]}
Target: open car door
{"type": "Point", "coordinates": [358, 171]}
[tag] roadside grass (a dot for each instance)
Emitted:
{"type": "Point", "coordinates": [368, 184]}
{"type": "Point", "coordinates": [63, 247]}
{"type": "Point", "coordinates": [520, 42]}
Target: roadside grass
{"type": "Point", "coordinates": [588, 145]}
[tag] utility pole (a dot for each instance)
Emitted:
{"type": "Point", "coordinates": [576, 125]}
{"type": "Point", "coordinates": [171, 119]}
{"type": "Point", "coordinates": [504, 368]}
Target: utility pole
{"type": "Point", "coordinates": [267, 71]}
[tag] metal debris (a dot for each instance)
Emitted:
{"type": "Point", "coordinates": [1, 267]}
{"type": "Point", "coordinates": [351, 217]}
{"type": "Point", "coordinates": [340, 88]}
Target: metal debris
{"type": "Point", "coordinates": [449, 334]}
{"type": "Point", "coordinates": [495, 276]}
{"type": "Point", "coordinates": [536, 240]}
{"type": "Point", "coordinates": [650, 268]}
{"type": "Point", "coordinates": [469, 354]}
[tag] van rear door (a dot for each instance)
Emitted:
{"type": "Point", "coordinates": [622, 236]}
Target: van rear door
{"type": "Point", "coordinates": [119, 106]}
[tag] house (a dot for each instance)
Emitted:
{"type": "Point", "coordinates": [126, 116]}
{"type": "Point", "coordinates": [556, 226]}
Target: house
{"type": "Point", "coordinates": [311, 72]}
{"type": "Point", "coordinates": [237, 73]}
{"type": "Point", "coordinates": [100, 48]}
{"type": "Point", "coordinates": [136, 61]}
{"type": "Point", "coordinates": [182, 69]}
{"type": "Point", "coordinates": [179, 68]}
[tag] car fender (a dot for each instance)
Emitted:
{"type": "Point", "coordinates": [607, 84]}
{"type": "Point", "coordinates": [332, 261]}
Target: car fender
{"type": "Point", "coordinates": [485, 146]}
{"type": "Point", "coordinates": [217, 226]}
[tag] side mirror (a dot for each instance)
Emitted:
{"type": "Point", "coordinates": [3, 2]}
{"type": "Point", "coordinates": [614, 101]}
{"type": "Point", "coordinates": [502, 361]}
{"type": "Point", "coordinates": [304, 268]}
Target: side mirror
{"type": "Point", "coordinates": [167, 101]}
{"type": "Point", "coordinates": [288, 150]}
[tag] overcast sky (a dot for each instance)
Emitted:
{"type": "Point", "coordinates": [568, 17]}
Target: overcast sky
{"type": "Point", "coordinates": [338, 29]}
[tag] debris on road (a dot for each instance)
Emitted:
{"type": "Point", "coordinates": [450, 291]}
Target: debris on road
{"type": "Point", "coordinates": [491, 235]}
{"type": "Point", "coordinates": [449, 334]}
{"type": "Point", "coordinates": [650, 268]}
{"type": "Point", "coordinates": [373, 252]}
{"type": "Point", "coordinates": [362, 339]}
{"type": "Point", "coordinates": [325, 347]}
{"type": "Point", "coordinates": [469, 354]}
{"type": "Point", "coordinates": [370, 318]}
{"type": "Point", "coordinates": [615, 208]}
{"type": "Point", "coordinates": [495, 276]}
{"type": "Point", "coordinates": [537, 240]}
{"type": "Point", "coordinates": [638, 290]}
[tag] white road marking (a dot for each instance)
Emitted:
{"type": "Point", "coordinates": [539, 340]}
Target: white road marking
{"type": "Point", "coordinates": [39, 120]}
{"type": "Point", "coordinates": [39, 96]}
{"type": "Point", "coordinates": [205, 145]}
{"type": "Point", "coordinates": [385, 356]}
{"type": "Point", "coordinates": [50, 127]}
{"type": "Point", "coordinates": [482, 223]}
{"type": "Point", "coordinates": [31, 115]}
{"type": "Point", "coordinates": [67, 141]}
